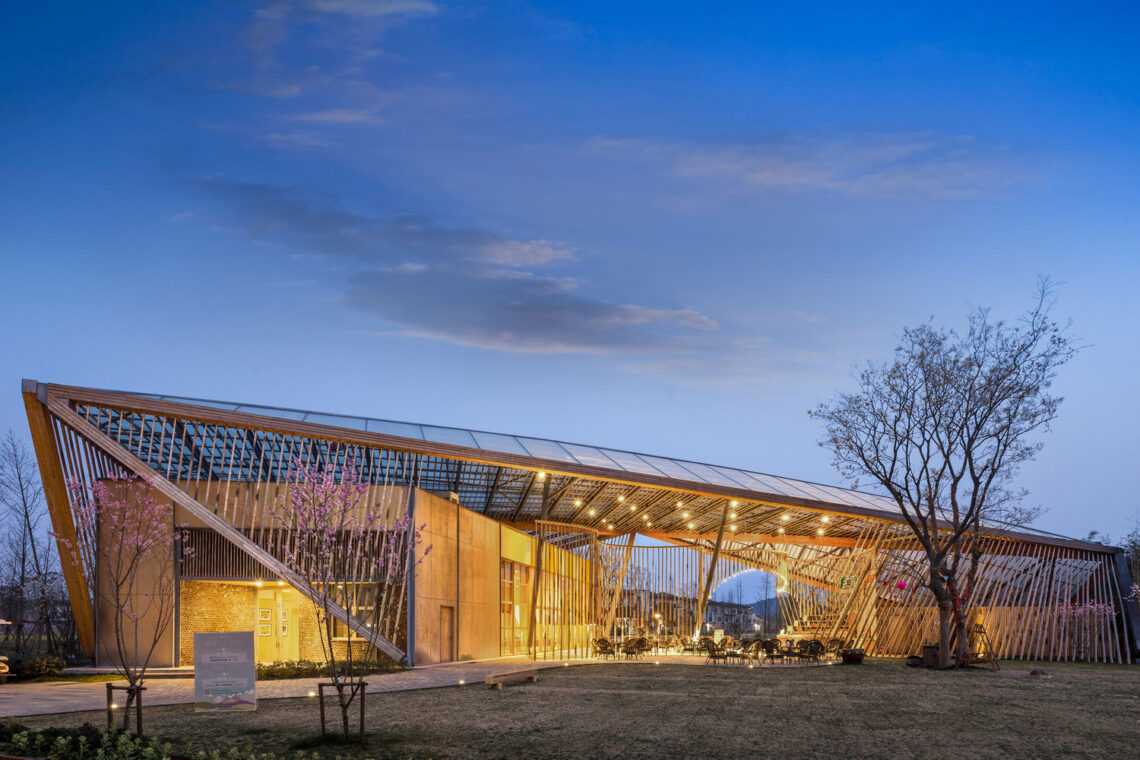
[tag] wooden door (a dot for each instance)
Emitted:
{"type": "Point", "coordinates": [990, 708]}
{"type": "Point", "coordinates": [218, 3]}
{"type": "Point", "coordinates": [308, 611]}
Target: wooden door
{"type": "Point", "coordinates": [446, 634]}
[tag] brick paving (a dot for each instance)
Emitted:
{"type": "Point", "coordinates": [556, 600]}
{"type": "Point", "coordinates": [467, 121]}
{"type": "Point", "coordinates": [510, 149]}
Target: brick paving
{"type": "Point", "coordinates": [18, 699]}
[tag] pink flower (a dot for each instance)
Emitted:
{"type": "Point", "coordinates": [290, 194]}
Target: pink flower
{"type": "Point", "coordinates": [901, 584]}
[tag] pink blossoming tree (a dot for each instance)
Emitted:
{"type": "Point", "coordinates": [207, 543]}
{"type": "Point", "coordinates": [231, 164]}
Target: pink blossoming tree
{"type": "Point", "coordinates": [357, 553]}
{"type": "Point", "coordinates": [130, 571]}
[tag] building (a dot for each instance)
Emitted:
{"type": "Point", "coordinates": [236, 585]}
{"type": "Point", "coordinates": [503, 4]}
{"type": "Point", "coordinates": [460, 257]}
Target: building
{"type": "Point", "coordinates": [534, 541]}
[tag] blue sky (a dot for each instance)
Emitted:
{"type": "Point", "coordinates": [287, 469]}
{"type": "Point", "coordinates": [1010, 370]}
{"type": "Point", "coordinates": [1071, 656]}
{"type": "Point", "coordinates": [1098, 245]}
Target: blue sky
{"type": "Point", "coordinates": [669, 228]}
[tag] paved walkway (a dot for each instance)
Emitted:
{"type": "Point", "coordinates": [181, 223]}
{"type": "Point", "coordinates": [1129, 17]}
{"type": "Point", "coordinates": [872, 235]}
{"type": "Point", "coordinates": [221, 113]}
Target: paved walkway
{"type": "Point", "coordinates": [18, 699]}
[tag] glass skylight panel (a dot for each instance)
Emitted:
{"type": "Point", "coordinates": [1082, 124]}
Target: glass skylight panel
{"type": "Point", "coordinates": [671, 468]}
{"type": "Point", "coordinates": [401, 429]}
{"type": "Point", "coordinates": [498, 442]}
{"type": "Point", "coordinates": [805, 488]}
{"type": "Point", "coordinates": [544, 449]}
{"type": "Point", "coordinates": [335, 420]}
{"type": "Point", "coordinates": [759, 482]}
{"type": "Point", "coordinates": [631, 462]}
{"type": "Point", "coordinates": [454, 436]}
{"type": "Point", "coordinates": [712, 475]}
{"type": "Point", "coordinates": [590, 456]}
{"type": "Point", "coordinates": [285, 414]}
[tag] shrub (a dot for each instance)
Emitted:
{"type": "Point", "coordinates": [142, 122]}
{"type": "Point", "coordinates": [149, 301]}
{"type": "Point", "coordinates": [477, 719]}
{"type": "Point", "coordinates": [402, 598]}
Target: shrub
{"type": "Point", "coordinates": [276, 671]}
{"type": "Point", "coordinates": [38, 667]}
{"type": "Point", "coordinates": [87, 743]}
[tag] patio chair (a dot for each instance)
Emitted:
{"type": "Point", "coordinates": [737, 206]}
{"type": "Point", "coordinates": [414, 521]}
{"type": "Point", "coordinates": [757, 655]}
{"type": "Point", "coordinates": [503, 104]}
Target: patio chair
{"type": "Point", "coordinates": [688, 645]}
{"type": "Point", "coordinates": [713, 652]}
{"type": "Point", "coordinates": [834, 646]}
{"type": "Point", "coordinates": [632, 648]}
{"type": "Point", "coordinates": [772, 650]}
{"type": "Point", "coordinates": [811, 650]}
{"type": "Point", "coordinates": [604, 648]}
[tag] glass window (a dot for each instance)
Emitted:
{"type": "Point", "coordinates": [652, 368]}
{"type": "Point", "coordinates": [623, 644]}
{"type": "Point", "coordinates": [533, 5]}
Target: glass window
{"type": "Point", "coordinates": [631, 462]}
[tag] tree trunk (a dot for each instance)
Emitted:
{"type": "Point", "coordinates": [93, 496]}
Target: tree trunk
{"type": "Point", "coordinates": [945, 616]}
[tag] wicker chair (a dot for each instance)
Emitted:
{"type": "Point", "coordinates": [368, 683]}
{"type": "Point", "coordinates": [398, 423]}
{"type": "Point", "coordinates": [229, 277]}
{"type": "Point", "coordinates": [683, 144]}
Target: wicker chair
{"type": "Point", "coordinates": [688, 645]}
{"type": "Point", "coordinates": [713, 652]}
{"type": "Point", "coordinates": [811, 650]}
{"type": "Point", "coordinates": [834, 646]}
{"type": "Point", "coordinates": [604, 648]}
{"type": "Point", "coordinates": [772, 650]}
{"type": "Point", "coordinates": [632, 648]}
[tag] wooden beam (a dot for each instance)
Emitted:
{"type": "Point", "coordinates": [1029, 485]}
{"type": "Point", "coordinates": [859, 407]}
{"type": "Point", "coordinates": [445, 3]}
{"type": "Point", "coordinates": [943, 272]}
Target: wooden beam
{"type": "Point", "coordinates": [60, 409]}
{"type": "Point", "coordinates": [62, 521]}
{"type": "Point", "coordinates": [759, 538]}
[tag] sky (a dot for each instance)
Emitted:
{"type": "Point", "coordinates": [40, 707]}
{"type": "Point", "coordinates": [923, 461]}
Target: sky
{"type": "Point", "coordinates": [670, 228]}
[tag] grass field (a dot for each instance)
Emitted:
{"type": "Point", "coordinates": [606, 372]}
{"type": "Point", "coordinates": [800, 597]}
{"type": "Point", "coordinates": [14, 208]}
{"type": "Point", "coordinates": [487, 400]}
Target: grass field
{"type": "Point", "coordinates": [881, 709]}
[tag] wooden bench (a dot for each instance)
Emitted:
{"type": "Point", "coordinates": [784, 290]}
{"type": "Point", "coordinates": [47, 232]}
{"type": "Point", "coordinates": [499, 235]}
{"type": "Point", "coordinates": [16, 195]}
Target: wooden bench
{"type": "Point", "coordinates": [496, 680]}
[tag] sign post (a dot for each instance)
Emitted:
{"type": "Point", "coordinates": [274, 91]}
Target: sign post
{"type": "Point", "coordinates": [225, 672]}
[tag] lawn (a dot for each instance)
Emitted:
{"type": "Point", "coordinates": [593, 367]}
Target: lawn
{"type": "Point", "coordinates": [881, 709]}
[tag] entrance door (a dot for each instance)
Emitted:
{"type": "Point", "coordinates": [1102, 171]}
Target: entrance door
{"type": "Point", "coordinates": [446, 634]}
{"type": "Point", "coordinates": [277, 635]}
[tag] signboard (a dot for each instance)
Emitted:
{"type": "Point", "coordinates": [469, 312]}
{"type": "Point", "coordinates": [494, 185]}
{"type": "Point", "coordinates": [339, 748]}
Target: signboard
{"type": "Point", "coordinates": [225, 672]}
{"type": "Point", "coordinates": [718, 634]}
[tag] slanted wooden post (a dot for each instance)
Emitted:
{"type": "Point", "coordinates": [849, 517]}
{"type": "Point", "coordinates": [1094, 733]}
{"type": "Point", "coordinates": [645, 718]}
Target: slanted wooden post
{"type": "Point", "coordinates": [704, 600]}
{"type": "Point", "coordinates": [410, 641]}
{"type": "Point", "coordinates": [59, 508]}
{"type": "Point", "coordinates": [611, 613]}
{"type": "Point", "coordinates": [530, 636]}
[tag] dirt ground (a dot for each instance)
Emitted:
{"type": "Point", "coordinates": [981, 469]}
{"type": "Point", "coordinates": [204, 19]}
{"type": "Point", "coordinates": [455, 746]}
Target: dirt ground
{"type": "Point", "coordinates": [881, 709]}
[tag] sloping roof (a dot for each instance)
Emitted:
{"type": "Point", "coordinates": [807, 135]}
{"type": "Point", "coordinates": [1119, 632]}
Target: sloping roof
{"type": "Point", "coordinates": [603, 474]}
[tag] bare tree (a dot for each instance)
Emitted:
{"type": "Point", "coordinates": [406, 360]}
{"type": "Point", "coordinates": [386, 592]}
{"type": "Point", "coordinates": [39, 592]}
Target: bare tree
{"type": "Point", "coordinates": [944, 427]}
{"type": "Point", "coordinates": [29, 573]}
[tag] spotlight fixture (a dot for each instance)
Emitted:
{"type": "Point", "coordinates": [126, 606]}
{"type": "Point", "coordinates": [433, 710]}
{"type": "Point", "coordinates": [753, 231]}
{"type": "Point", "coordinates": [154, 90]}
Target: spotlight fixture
{"type": "Point", "coordinates": [593, 512]}
{"type": "Point", "coordinates": [684, 514]}
{"type": "Point", "coordinates": [732, 527]}
{"type": "Point", "coordinates": [541, 476]}
{"type": "Point", "coordinates": [733, 516]}
{"type": "Point", "coordinates": [621, 498]}
{"type": "Point", "coordinates": [644, 517]}
{"type": "Point", "coordinates": [577, 502]}
{"type": "Point", "coordinates": [819, 532]}
{"type": "Point", "coordinates": [632, 507]}
{"type": "Point", "coordinates": [680, 504]}
{"type": "Point", "coordinates": [735, 503]}
{"type": "Point", "coordinates": [825, 519]}
{"type": "Point", "coordinates": [690, 526]}
{"type": "Point", "coordinates": [785, 518]}
{"type": "Point", "coordinates": [781, 530]}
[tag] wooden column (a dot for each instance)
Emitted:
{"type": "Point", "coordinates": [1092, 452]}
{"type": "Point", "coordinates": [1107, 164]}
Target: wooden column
{"type": "Point", "coordinates": [704, 600]}
{"type": "Point", "coordinates": [410, 640]}
{"type": "Point", "coordinates": [62, 522]}
{"type": "Point", "coordinates": [530, 637]}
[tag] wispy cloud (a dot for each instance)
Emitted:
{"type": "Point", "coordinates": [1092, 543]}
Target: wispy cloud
{"type": "Point", "coordinates": [462, 285]}
{"type": "Point", "coordinates": [922, 164]}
